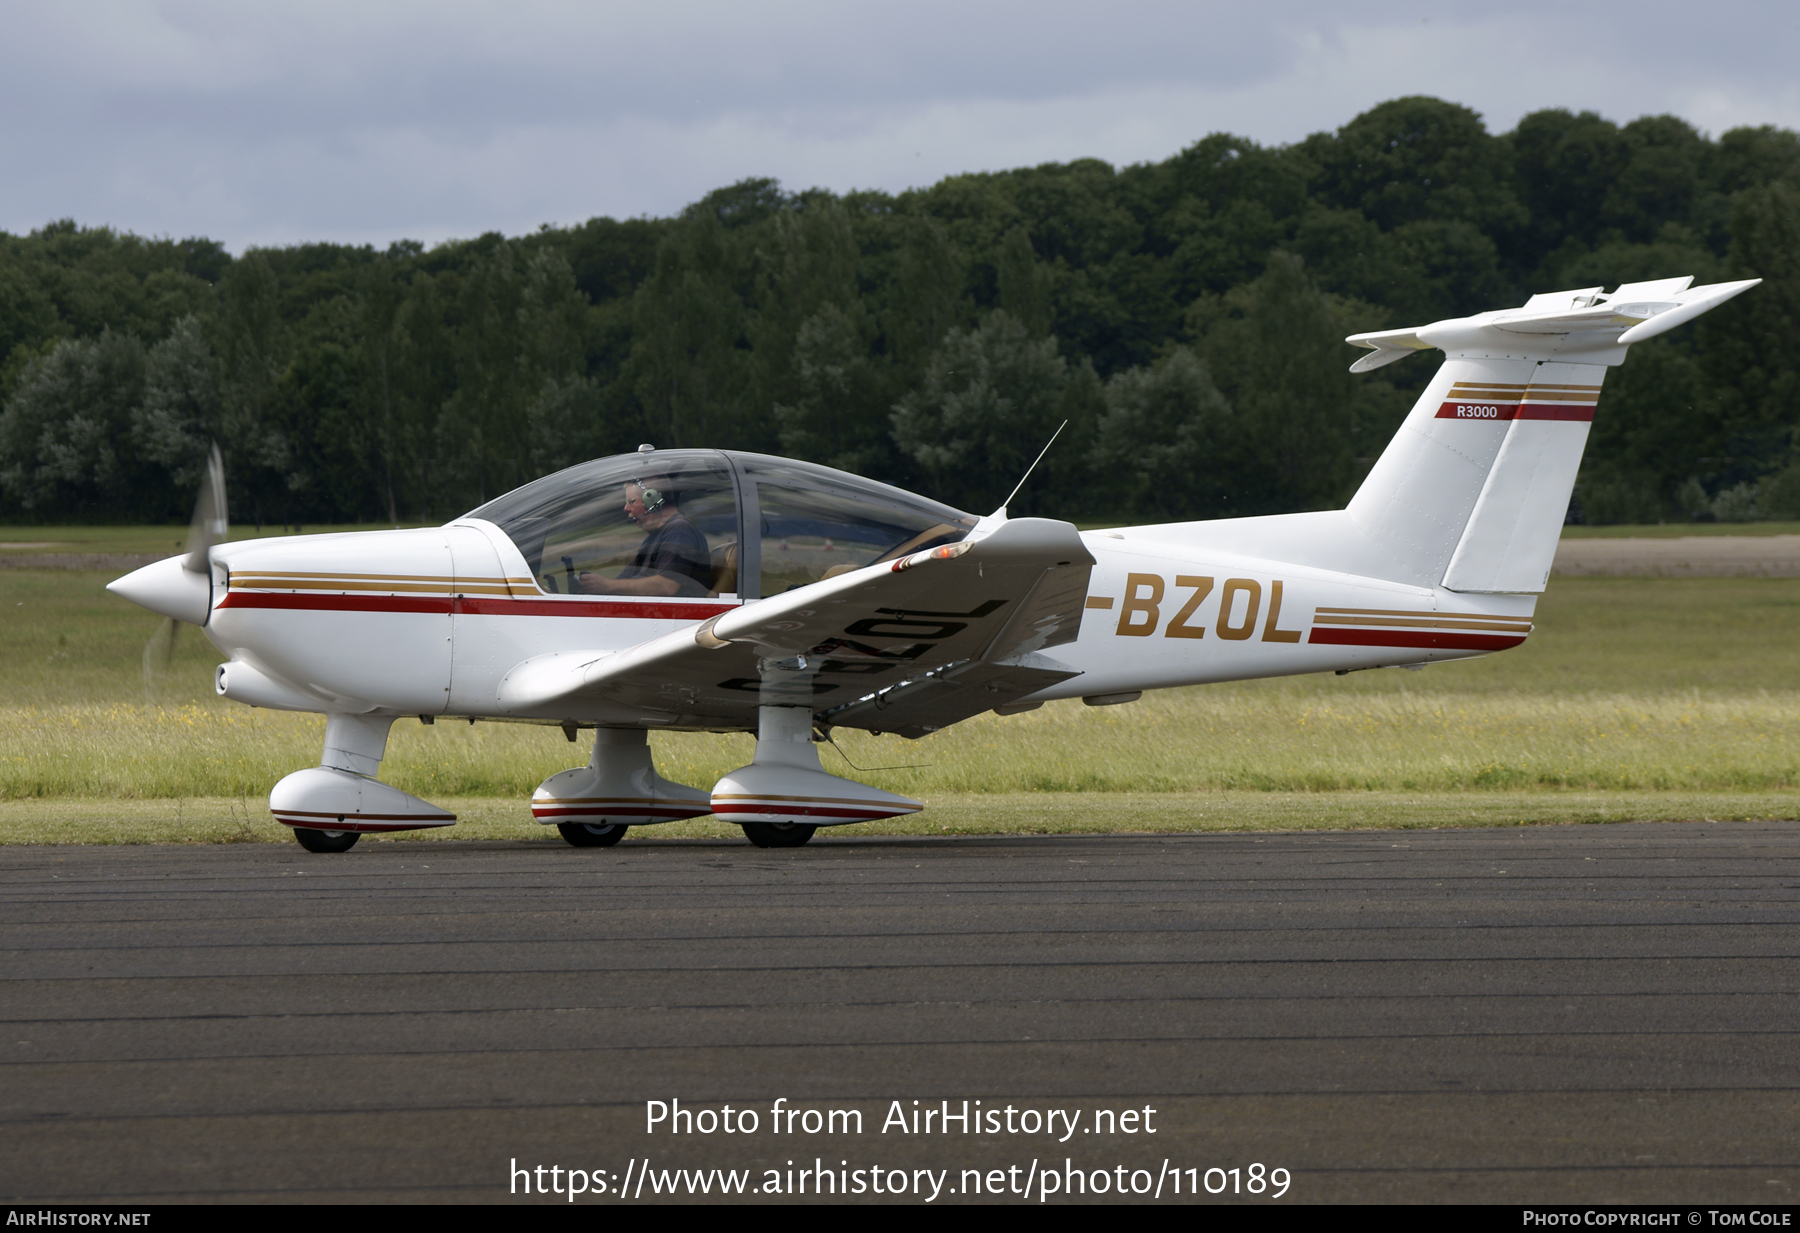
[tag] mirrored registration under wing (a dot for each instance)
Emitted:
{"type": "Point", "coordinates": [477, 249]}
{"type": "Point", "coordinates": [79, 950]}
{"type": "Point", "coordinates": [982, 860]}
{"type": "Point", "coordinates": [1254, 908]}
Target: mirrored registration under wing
{"type": "Point", "coordinates": [904, 646]}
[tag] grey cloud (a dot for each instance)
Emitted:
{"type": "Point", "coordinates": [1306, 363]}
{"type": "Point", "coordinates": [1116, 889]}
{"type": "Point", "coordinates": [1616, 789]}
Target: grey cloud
{"type": "Point", "coordinates": [370, 121]}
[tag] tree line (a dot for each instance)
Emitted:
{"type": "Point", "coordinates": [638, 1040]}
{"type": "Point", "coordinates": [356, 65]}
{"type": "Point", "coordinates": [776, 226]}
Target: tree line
{"type": "Point", "coordinates": [1184, 317]}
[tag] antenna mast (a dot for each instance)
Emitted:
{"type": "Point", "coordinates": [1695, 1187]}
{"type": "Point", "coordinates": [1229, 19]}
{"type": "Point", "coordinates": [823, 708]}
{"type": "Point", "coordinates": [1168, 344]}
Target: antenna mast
{"type": "Point", "coordinates": [1034, 463]}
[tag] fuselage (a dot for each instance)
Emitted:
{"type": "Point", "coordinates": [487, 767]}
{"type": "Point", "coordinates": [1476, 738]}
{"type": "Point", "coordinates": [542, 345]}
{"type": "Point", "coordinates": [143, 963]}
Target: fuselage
{"type": "Point", "coordinates": [431, 621]}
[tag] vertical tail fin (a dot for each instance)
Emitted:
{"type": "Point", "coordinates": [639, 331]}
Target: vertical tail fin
{"type": "Point", "coordinates": [1471, 493]}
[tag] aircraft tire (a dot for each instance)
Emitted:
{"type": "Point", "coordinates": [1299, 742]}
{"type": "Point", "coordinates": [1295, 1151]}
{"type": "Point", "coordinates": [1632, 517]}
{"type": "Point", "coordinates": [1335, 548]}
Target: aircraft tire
{"type": "Point", "coordinates": [326, 841]}
{"type": "Point", "coordinates": [587, 835]}
{"type": "Point", "coordinates": [777, 834]}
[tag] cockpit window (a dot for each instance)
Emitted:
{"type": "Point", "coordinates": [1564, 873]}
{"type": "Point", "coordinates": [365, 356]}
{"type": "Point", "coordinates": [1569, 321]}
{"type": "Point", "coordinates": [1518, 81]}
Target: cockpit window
{"type": "Point", "coordinates": [817, 523]}
{"type": "Point", "coordinates": [667, 523]}
{"type": "Point", "coordinates": [655, 524]}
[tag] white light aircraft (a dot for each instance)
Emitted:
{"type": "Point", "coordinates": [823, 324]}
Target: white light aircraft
{"type": "Point", "coordinates": [710, 590]}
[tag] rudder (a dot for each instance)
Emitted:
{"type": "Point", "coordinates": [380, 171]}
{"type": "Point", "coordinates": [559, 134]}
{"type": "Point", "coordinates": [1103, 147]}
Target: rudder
{"type": "Point", "coordinates": [1510, 541]}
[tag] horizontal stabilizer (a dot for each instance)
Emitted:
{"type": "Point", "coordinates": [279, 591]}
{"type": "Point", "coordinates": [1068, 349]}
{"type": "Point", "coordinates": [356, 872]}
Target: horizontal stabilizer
{"type": "Point", "coordinates": [1584, 326]}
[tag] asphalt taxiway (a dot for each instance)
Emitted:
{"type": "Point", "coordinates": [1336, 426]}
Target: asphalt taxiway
{"type": "Point", "coordinates": [1556, 1014]}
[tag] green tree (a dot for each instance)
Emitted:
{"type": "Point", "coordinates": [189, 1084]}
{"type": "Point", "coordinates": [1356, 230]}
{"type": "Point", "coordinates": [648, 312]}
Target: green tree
{"type": "Point", "coordinates": [838, 416]}
{"type": "Point", "coordinates": [1747, 348]}
{"type": "Point", "coordinates": [1666, 179]}
{"type": "Point", "coordinates": [1216, 210]}
{"type": "Point", "coordinates": [1757, 158]}
{"type": "Point", "coordinates": [64, 432]}
{"type": "Point", "coordinates": [989, 400]}
{"type": "Point", "coordinates": [1650, 431]}
{"type": "Point", "coordinates": [181, 415]}
{"type": "Point", "coordinates": [1163, 448]}
{"type": "Point", "coordinates": [691, 366]}
{"type": "Point", "coordinates": [926, 299]}
{"type": "Point", "coordinates": [1027, 286]}
{"type": "Point", "coordinates": [520, 374]}
{"type": "Point", "coordinates": [1415, 159]}
{"type": "Point", "coordinates": [1275, 348]}
{"type": "Point", "coordinates": [806, 259]}
{"type": "Point", "coordinates": [253, 348]}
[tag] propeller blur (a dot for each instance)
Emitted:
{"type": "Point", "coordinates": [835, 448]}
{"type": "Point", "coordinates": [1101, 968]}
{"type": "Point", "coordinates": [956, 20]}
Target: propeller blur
{"type": "Point", "coordinates": [713, 590]}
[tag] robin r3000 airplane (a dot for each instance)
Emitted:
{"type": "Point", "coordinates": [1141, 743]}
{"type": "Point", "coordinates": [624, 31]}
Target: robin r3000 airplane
{"type": "Point", "coordinates": [710, 590]}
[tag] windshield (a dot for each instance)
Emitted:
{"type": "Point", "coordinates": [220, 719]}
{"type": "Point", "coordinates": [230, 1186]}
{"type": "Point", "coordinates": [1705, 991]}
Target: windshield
{"type": "Point", "coordinates": [816, 523]}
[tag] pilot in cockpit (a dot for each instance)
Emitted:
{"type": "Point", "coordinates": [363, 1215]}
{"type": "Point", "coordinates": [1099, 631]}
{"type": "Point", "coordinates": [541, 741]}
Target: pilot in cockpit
{"type": "Point", "coordinates": [674, 558]}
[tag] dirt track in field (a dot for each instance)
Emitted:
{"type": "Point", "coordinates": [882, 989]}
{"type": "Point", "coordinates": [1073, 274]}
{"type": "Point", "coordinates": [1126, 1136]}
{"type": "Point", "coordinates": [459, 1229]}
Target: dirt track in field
{"type": "Point", "coordinates": [1688, 556]}
{"type": "Point", "coordinates": [123, 562]}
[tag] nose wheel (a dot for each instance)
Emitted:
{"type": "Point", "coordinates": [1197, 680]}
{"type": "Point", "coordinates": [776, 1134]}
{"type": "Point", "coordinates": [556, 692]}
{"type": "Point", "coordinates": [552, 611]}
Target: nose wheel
{"type": "Point", "coordinates": [588, 835]}
{"type": "Point", "coordinates": [778, 834]}
{"type": "Point", "coordinates": [326, 841]}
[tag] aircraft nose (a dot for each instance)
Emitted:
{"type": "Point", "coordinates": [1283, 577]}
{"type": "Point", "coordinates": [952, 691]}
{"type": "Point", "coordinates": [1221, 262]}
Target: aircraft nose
{"type": "Point", "coordinates": [167, 589]}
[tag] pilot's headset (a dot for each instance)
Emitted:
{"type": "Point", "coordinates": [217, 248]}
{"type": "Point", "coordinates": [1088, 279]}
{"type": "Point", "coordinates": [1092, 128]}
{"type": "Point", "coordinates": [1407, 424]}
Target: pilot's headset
{"type": "Point", "coordinates": [653, 496]}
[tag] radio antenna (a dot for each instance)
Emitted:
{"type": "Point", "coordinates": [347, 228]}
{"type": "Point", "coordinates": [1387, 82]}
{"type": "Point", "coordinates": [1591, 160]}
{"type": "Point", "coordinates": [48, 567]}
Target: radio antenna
{"type": "Point", "coordinates": [1034, 463]}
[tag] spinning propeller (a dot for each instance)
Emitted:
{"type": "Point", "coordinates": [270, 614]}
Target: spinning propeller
{"type": "Point", "coordinates": [181, 587]}
{"type": "Point", "coordinates": [210, 522]}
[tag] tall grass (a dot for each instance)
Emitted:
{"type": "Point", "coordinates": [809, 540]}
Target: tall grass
{"type": "Point", "coordinates": [1191, 740]}
{"type": "Point", "coordinates": [1178, 741]}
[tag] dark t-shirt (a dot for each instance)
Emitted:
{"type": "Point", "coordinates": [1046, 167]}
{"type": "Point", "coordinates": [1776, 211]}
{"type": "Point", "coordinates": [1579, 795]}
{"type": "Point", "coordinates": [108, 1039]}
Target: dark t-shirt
{"type": "Point", "coordinates": [676, 550]}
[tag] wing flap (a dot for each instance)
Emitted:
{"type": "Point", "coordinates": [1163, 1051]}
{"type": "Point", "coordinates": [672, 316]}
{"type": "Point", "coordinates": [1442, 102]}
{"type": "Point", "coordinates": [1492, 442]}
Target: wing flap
{"type": "Point", "coordinates": [921, 705]}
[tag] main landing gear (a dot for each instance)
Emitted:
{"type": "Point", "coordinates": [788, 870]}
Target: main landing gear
{"type": "Point", "coordinates": [592, 806]}
{"type": "Point", "coordinates": [785, 795]}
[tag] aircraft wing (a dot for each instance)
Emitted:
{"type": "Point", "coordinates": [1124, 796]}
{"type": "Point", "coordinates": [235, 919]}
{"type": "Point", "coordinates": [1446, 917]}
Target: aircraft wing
{"type": "Point", "coordinates": [905, 646]}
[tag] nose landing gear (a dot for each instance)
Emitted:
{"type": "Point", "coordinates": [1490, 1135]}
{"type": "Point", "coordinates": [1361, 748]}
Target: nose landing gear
{"type": "Point", "coordinates": [590, 835]}
{"type": "Point", "coordinates": [777, 834]}
{"type": "Point", "coordinates": [326, 841]}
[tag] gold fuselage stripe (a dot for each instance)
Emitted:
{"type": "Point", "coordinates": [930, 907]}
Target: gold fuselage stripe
{"type": "Point", "coordinates": [1535, 385]}
{"type": "Point", "coordinates": [1415, 618]}
{"type": "Point", "coordinates": [401, 584]}
{"type": "Point", "coordinates": [1511, 627]}
{"type": "Point", "coordinates": [411, 584]}
{"type": "Point", "coordinates": [313, 573]}
{"type": "Point", "coordinates": [1403, 612]}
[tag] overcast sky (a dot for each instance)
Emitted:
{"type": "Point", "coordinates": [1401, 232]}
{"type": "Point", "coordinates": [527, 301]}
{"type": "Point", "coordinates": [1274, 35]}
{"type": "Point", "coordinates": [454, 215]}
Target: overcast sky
{"type": "Point", "coordinates": [279, 122]}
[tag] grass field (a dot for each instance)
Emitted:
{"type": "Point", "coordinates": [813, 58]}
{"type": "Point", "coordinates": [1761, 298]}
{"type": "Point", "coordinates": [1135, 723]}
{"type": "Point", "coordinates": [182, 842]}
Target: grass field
{"type": "Point", "coordinates": [166, 539]}
{"type": "Point", "coordinates": [1645, 698]}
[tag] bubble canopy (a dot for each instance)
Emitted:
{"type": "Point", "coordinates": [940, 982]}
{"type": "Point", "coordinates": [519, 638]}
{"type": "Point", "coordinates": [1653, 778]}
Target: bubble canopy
{"type": "Point", "coordinates": [711, 522]}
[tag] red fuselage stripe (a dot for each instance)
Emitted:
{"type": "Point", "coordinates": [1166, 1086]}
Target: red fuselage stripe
{"type": "Point", "coordinates": [1424, 640]}
{"type": "Point", "coordinates": [1497, 411]}
{"type": "Point", "coordinates": [619, 812]}
{"type": "Point", "coordinates": [468, 606]}
{"type": "Point", "coordinates": [361, 828]}
{"type": "Point", "coordinates": [335, 603]}
{"type": "Point", "coordinates": [812, 811]}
